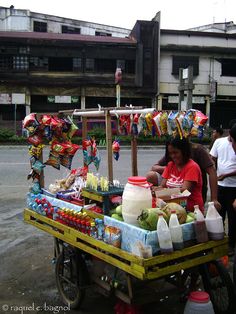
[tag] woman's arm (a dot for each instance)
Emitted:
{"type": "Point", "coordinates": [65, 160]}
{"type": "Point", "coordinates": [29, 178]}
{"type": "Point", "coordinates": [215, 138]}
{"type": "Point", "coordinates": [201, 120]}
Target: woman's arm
{"type": "Point", "coordinates": [163, 183]}
{"type": "Point", "coordinates": [187, 185]}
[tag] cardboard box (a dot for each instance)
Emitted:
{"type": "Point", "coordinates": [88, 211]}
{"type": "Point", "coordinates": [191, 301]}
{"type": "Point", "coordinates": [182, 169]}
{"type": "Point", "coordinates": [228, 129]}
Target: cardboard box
{"type": "Point", "coordinates": [130, 234]}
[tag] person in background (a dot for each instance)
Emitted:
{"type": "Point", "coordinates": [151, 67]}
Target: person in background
{"type": "Point", "coordinates": [200, 155]}
{"type": "Point", "coordinates": [217, 133]}
{"type": "Point", "coordinates": [224, 155]}
{"type": "Point", "coordinates": [232, 134]}
{"type": "Point", "coordinates": [182, 172]}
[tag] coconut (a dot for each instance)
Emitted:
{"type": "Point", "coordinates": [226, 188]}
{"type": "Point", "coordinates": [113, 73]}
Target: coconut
{"type": "Point", "coordinates": [149, 217]}
{"type": "Point", "coordinates": [180, 211]}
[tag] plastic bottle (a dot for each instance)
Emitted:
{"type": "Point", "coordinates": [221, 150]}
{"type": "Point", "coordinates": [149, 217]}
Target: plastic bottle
{"type": "Point", "coordinates": [136, 197]}
{"type": "Point", "coordinates": [199, 302]}
{"type": "Point", "coordinates": [164, 236]}
{"type": "Point", "coordinates": [93, 230]}
{"type": "Point", "coordinates": [100, 228]}
{"type": "Point", "coordinates": [200, 226]}
{"type": "Point", "coordinates": [214, 223]}
{"type": "Point", "coordinates": [176, 231]}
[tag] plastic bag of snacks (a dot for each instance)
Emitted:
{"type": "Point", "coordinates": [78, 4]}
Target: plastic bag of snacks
{"type": "Point", "coordinates": [112, 236]}
{"type": "Point", "coordinates": [172, 124]}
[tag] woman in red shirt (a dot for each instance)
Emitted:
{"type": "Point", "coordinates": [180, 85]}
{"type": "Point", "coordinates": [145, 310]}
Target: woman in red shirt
{"type": "Point", "coordinates": [183, 172]}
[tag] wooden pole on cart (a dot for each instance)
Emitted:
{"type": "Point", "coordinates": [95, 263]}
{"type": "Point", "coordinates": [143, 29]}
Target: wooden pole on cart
{"type": "Point", "coordinates": [84, 128]}
{"type": "Point", "coordinates": [134, 163]}
{"type": "Point", "coordinates": [109, 145]}
{"type": "Point", "coordinates": [41, 177]}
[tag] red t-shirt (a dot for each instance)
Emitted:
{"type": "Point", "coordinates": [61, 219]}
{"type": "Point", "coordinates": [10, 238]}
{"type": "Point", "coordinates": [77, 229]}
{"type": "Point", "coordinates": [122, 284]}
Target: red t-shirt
{"type": "Point", "coordinates": [190, 172]}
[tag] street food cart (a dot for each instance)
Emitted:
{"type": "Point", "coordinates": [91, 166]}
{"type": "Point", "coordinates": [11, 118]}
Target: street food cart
{"type": "Point", "coordinates": [131, 278]}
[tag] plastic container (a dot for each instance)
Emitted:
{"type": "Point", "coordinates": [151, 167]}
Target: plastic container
{"type": "Point", "coordinates": [176, 231]}
{"type": "Point", "coordinates": [200, 226]}
{"type": "Point", "coordinates": [199, 302]}
{"type": "Point", "coordinates": [100, 228]}
{"type": "Point", "coordinates": [164, 236]}
{"type": "Point", "coordinates": [214, 223]}
{"type": "Point", "coordinates": [136, 197]}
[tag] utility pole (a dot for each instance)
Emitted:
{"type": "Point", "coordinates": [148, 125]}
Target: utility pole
{"type": "Point", "coordinates": [185, 84]}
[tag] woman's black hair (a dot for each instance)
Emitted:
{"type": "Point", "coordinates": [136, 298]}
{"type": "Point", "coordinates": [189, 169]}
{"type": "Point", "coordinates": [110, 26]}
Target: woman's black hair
{"type": "Point", "coordinates": [183, 145]}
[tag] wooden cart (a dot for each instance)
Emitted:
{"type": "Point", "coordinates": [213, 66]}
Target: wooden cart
{"type": "Point", "coordinates": [74, 249]}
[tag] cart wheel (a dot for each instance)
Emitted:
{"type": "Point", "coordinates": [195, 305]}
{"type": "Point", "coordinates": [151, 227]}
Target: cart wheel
{"type": "Point", "coordinates": [71, 274]}
{"type": "Point", "coordinates": [217, 282]}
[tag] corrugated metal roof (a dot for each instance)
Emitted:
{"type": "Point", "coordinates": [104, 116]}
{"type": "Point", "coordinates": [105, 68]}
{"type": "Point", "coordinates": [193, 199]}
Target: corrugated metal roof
{"type": "Point", "coordinates": [66, 37]}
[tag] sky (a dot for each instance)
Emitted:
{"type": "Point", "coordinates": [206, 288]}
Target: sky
{"type": "Point", "coordinates": [175, 14]}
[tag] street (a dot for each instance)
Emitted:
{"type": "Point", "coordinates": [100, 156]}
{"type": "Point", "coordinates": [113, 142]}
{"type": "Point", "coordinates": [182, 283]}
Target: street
{"type": "Point", "coordinates": [27, 272]}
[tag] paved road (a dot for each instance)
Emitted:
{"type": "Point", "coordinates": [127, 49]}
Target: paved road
{"type": "Point", "coordinates": [26, 271]}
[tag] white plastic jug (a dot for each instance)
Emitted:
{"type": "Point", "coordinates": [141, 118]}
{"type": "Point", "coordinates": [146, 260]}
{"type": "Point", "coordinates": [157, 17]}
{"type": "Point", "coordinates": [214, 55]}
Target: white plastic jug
{"type": "Point", "coordinates": [199, 302]}
{"type": "Point", "coordinates": [214, 223]}
{"type": "Point", "coordinates": [136, 197]}
{"type": "Point", "coordinates": [163, 235]}
{"type": "Point", "coordinates": [176, 231]}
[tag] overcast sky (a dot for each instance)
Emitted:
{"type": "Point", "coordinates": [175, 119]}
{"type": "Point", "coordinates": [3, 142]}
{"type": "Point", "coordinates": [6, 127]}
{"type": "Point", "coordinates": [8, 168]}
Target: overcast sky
{"type": "Point", "coordinates": [175, 14]}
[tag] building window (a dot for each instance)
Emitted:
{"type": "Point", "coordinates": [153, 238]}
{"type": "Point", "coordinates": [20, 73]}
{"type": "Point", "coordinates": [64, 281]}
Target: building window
{"type": "Point", "coordinates": [127, 66]}
{"type": "Point", "coordinates": [228, 67]}
{"type": "Point", "coordinates": [40, 27]}
{"type": "Point", "coordinates": [89, 65]}
{"type": "Point", "coordinates": [77, 64]}
{"type": "Point", "coordinates": [183, 62]}
{"type": "Point", "coordinates": [70, 30]}
{"type": "Point", "coordinates": [105, 65]}
{"type": "Point", "coordinates": [24, 50]}
{"type": "Point", "coordinates": [60, 64]}
{"type": "Point", "coordinates": [38, 63]}
{"type": "Point", "coordinates": [120, 64]}
{"type": "Point", "coordinates": [97, 33]}
{"type": "Point", "coordinates": [5, 63]}
{"type": "Point", "coordinates": [20, 63]}
{"type": "Point", "coordinates": [130, 66]}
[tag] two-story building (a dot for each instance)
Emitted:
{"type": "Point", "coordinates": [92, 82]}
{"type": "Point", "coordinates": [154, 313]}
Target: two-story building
{"type": "Point", "coordinates": [49, 63]}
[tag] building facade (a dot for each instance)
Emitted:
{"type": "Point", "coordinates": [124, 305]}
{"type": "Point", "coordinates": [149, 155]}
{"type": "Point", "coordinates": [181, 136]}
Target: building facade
{"type": "Point", "coordinates": [49, 63]}
{"type": "Point", "coordinates": [51, 71]}
{"type": "Point", "coordinates": [213, 57]}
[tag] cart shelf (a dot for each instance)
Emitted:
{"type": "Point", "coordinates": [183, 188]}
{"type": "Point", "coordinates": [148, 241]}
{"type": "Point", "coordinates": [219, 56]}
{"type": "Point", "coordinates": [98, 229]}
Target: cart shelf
{"type": "Point", "coordinates": [151, 268]}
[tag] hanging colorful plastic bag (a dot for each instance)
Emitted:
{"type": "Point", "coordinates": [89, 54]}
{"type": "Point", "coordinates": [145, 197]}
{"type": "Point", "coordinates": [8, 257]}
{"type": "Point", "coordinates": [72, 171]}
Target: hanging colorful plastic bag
{"type": "Point", "coordinates": [187, 123]}
{"type": "Point", "coordinates": [172, 124]}
{"type": "Point", "coordinates": [134, 126]}
{"type": "Point", "coordinates": [35, 140]}
{"type": "Point", "coordinates": [116, 149]}
{"type": "Point", "coordinates": [36, 150]}
{"type": "Point", "coordinates": [163, 123]}
{"type": "Point", "coordinates": [38, 166]}
{"type": "Point", "coordinates": [53, 160]}
{"type": "Point", "coordinates": [156, 122]}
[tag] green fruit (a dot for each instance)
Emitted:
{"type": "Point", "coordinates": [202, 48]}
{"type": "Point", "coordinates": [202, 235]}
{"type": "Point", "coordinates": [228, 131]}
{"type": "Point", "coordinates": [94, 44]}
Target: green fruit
{"type": "Point", "coordinates": [189, 219]}
{"type": "Point", "coordinates": [149, 217]}
{"type": "Point", "coordinates": [112, 211]}
{"type": "Point", "coordinates": [119, 210]}
{"type": "Point", "coordinates": [117, 217]}
{"type": "Point", "coordinates": [191, 215]}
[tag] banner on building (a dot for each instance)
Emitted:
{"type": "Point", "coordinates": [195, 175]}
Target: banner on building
{"type": "Point", "coordinates": [63, 99]}
{"type": "Point", "coordinates": [18, 99]}
{"type": "Point", "coordinates": [5, 99]}
{"type": "Point", "coordinates": [195, 99]}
